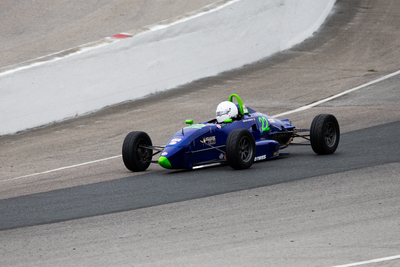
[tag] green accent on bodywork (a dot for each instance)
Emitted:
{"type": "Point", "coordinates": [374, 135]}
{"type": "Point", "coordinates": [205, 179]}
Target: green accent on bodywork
{"type": "Point", "coordinates": [164, 162]}
{"type": "Point", "coordinates": [228, 121]}
{"type": "Point", "coordinates": [240, 103]}
{"type": "Point", "coordinates": [189, 122]}
{"type": "Point", "coordinates": [197, 126]}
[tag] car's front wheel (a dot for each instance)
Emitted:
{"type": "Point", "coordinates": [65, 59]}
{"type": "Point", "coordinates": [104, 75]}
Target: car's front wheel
{"type": "Point", "coordinates": [324, 134]}
{"type": "Point", "coordinates": [240, 149]}
{"type": "Point", "coordinates": [135, 155]}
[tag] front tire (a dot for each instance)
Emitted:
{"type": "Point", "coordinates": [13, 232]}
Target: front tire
{"type": "Point", "coordinates": [324, 134]}
{"type": "Point", "coordinates": [240, 149]}
{"type": "Point", "coordinates": [135, 157]}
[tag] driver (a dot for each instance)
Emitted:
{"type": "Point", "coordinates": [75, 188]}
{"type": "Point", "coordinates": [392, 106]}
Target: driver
{"type": "Point", "coordinates": [226, 110]}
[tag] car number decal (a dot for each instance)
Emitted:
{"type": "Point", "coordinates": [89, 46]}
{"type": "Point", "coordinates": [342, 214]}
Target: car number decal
{"type": "Point", "coordinates": [264, 124]}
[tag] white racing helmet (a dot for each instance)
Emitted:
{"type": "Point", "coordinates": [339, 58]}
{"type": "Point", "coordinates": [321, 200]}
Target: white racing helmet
{"type": "Point", "coordinates": [226, 110]}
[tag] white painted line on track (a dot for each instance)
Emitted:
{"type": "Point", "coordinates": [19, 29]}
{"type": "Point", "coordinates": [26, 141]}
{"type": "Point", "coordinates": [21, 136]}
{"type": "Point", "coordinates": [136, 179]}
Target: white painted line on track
{"type": "Point", "coordinates": [338, 95]}
{"type": "Point", "coordinates": [370, 261]}
{"type": "Point", "coordinates": [63, 168]}
{"type": "Point", "coordinates": [278, 115]}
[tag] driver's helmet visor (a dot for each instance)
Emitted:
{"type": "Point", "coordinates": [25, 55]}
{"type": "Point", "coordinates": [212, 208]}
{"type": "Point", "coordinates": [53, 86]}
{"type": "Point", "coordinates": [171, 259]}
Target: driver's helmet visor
{"type": "Point", "coordinates": [223, 112]}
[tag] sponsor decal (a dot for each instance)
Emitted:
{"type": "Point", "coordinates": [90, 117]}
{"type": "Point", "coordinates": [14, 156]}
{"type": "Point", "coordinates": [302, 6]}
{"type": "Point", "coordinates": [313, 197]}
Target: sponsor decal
{"type": "Point", "coordinates": [175, 141]}
{"type": "Point", "coordinates": [164, 153]}
{"type": "Point", "coordinates": [222, 156]}
{"type": "Point", "coordinates": [219, 126]}
{"type": "Point", "coordinates": [271, 120]}
{"type": "Point", "coordinates": [260, 158]}
{"type": "Point", "coordinates": [253, 119]}
{"type": "Point", "coordinates": [211, 140]}
{"type": "Point", "coordinates": [245, 110]}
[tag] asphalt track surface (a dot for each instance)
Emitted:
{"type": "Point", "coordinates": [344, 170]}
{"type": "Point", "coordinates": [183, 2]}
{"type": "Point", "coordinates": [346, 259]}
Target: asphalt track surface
{"type": "Point", "coordinates": [300, 210]}
{"type": "Point", "coordinates": [169, 187]}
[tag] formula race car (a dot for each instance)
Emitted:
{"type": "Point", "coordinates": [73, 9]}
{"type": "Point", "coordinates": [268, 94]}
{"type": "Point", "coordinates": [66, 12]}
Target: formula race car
{"type": "Point", "coordinates": [238, 136]}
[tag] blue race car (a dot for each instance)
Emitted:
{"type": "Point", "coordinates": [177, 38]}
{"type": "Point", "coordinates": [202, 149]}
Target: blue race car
{"type": "Point", "coordinates": [238, 136]}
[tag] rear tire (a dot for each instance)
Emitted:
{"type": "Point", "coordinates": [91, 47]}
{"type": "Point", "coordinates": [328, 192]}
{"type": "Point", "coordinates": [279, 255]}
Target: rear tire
{"type": "Point", "coordinates": [240, 149]}
{"type": "Point", "coordinates": [135, 157]}
{"type": "Point", "coordinates": [324, 134]}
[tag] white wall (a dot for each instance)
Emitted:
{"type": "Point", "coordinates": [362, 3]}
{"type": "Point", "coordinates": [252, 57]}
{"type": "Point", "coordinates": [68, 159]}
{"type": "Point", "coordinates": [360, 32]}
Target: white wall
{"type": "Point", "coordinates": [230, 35]}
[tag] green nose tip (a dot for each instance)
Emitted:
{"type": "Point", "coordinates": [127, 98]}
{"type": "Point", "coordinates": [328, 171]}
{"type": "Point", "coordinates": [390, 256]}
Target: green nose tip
{"type": "Point", "coordinates": [164, 162]}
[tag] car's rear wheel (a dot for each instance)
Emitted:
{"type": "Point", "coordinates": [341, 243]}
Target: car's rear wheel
{"type": "Point", "coordinates": [134, 154]}
{"type": "Point", "coordinates": [324, 134]}
{"type": "Point", "coordinates": [240, 149]}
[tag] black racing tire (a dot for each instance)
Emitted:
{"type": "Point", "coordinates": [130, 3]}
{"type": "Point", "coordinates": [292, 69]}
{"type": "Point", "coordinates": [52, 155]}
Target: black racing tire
{"type": "Point", "coordinates": [135, 157]}
{"type": "Point", "coordinates": [324, 134]}
{"type": "Point", "coordinates": [240, 149]}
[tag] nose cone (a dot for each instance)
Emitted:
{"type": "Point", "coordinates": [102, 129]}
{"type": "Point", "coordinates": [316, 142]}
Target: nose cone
{"type": "Point", "coordinates": [164, 162]}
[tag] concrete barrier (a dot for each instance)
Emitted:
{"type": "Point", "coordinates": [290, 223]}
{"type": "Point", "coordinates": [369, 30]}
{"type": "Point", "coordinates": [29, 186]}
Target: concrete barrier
{"type": "Point", "coordinates": [217, 38]}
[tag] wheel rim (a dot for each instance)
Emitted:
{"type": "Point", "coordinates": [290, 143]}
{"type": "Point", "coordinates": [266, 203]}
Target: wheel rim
{"type": "Point", "coordinates": [245, 149]}
{"type": "Point", "coordinates": [142, 153]}
{"type": "Point", "coordinates": [330, 134]}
